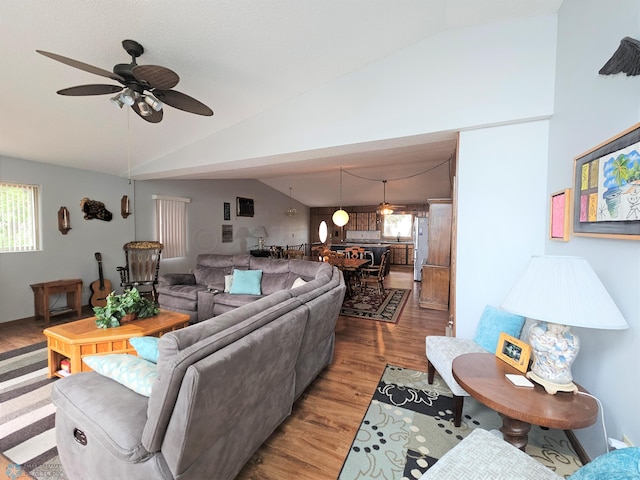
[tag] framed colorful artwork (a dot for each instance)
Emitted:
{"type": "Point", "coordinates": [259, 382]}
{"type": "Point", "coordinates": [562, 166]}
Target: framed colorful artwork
{"type": "Point", "coordinates": [560, 216]}
{"type": "Point", "coordinates": [606, 193]}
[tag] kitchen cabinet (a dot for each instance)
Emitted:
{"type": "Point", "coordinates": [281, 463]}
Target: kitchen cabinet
{"type": "Point", "coordinates": [434, 291]}
{"type": "Point", "coordinates": [401, 254]}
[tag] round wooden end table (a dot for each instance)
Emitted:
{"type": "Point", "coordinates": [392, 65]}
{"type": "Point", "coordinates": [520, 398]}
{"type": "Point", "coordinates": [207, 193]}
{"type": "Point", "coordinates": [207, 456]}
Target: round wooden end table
{"type": "Point", "coordinates": [482, 375]}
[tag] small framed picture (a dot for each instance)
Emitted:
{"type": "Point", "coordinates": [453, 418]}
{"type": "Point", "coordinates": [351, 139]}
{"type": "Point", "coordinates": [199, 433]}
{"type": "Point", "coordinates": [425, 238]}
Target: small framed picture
{"type": "Point", "coordinates": [227, 211]}
{"type": "Point", "coordinates": [244, 207]}
{"type": "Point", "coordinates": [560, 215]}
{"type": "Point", "coordinates": [227, 233]}
{"type": "Point", "coordinates": [514, 352]}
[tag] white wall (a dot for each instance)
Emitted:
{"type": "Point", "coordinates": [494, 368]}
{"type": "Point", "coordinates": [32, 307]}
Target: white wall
{"type": "Point", "coordinates": [589, 109]}
{"type": "Point", "coordinates": [72, 255]}
{"type": "Point", "coordinates": [461, 78]}
{"type": "Point", "coordinates": [501, 213]}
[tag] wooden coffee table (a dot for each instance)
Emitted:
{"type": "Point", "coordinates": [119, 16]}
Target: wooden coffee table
{"type": "Point", "coordinates": [482, 375]}
{"type": "Point", "coordinates": [75, 340]}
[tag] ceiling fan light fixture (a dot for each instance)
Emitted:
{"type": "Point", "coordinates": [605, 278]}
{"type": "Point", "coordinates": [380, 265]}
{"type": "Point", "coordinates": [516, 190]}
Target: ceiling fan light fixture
{"type": "Point", "coordinates": [291, 212]}
{"type": "Point", "coordinates": [153, 102]}
{"type": "Point", "coordinates": [128, 96]}
{"type": "Point", "coordinates": [145, 110]}
{"type": "Point", "coordinates": [116, 101]}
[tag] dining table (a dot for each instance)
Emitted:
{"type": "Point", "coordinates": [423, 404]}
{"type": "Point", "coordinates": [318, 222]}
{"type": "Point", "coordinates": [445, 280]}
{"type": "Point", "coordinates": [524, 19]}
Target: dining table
{"type": "Point", "coordinates": [350, 268]}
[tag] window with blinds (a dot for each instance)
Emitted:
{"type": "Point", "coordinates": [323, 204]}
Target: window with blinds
{"type": "Point", "coordinates": [171, 225]}
{"type": "Point", "coordinates": [19, 222]}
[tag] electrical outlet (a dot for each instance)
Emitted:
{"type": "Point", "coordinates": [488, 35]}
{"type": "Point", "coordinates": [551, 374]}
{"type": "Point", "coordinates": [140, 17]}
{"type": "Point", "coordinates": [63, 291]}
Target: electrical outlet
{"type": "Point", "coordinates": [627, 440]}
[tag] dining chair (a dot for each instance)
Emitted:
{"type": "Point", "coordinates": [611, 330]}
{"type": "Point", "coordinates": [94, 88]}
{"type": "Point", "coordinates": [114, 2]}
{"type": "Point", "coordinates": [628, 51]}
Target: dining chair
{"type": "Point", "coordinates": [375, 275]}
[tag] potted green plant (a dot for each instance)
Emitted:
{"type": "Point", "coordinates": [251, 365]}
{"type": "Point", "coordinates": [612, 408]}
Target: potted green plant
{"type": "Point", "coordinates": [125, 307]}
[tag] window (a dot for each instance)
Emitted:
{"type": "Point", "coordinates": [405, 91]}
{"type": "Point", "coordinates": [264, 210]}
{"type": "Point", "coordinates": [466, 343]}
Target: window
{"type": "Point", "coordinates": [19, 218]}
{"type": "Point", "coordinates": [171, 225]}
{"type": "Point", "coordinates": [397, 226]}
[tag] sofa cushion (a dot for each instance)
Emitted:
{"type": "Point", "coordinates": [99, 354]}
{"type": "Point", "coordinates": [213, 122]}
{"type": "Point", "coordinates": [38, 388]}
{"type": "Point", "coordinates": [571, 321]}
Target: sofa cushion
{"type": "Point", "coordinates": [187, 292]}
{"type": "Point", "coordinates": [246, 282]}
{"type": "Point", "coordinates": [492, 323]}
{"type": "Point", "coordinates": [146, 347]}
{"type": "Point", "coordinates": [133, 372]}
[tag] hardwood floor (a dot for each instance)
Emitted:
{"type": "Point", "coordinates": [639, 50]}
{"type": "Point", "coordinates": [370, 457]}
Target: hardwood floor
{"type": "Point", "coordinates": [314, 441]}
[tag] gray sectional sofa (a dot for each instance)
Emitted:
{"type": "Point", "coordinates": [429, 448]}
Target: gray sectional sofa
{"type": "Point", "coordinates": [201, 294]}
{"type": "Point", "coordinates": [223, 386]}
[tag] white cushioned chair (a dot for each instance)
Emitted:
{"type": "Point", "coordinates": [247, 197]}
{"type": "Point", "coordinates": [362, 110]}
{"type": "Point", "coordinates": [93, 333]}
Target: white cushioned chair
{"type": "Point", "coordinates": [442, 350]}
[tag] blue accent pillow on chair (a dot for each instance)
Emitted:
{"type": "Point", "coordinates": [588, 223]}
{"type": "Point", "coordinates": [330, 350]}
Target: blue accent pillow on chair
{"type": "Point", "coordinates": [492, 323]}
{"type": "Point", "coordinates": [246, 282]}
{"type": "Point", "coordinates": [621, 464]}
{"type": "Point", "coordinates": [146, 347]}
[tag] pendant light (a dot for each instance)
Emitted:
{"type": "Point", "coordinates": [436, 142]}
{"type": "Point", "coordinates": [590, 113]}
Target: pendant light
{"type": "Point", "coordinates": [340, 217]}
{"type": "Point", "coordinates": [291, 212]}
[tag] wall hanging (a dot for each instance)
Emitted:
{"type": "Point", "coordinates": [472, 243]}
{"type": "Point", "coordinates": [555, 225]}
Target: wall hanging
{"type": "Point", "coordinates": [64, 225]}
{"type": "Point", "coordinates": [95, 209]}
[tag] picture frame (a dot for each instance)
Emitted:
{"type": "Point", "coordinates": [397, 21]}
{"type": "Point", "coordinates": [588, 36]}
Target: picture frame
{"type": "Point", "coordinates": [606, 191]}
{"type": "Point", "coordinates": [227, 233]}
{"type": "Point", "coordinates": [560, 215]}
{"type": "Point", "coordinates": [244, 207]}
{"type": "Point", "coordinates": [226, 208]}
{"type": "Point", "coordinates": [513, 351]}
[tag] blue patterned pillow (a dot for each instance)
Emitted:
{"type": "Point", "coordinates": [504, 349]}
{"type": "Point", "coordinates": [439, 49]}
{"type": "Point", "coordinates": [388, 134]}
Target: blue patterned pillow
{"type": "Point", "coordinates": [623, 464]}
{"type": "Point", "coordinates": [246, 282]}
{"type": "Point", "coordinates": [133, 372]}
{"type": "Point", "coordinates": [146, 347]}
{"type": "Point", "coordinates": [494, 321]}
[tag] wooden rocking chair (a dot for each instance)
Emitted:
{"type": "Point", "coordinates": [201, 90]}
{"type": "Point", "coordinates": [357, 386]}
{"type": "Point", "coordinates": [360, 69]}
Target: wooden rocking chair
{"type": "Point", "coordinates": [141, 269]}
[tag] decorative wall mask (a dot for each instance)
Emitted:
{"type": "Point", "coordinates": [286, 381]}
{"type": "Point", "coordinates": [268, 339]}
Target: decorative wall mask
{"type": "Point", "coordinates": [95, 209]}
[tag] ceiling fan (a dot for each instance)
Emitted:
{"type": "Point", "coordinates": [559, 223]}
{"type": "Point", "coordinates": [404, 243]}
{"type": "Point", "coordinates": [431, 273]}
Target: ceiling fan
{"type": "Point", "coordinates": [145, 87]}
{"type": "Point", "coordinates": [386, 208]}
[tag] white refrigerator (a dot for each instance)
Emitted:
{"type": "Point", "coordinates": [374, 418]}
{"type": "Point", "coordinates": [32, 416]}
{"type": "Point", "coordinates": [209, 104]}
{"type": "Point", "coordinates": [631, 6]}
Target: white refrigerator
{"type": "Point", "coordinates": [420, 235]}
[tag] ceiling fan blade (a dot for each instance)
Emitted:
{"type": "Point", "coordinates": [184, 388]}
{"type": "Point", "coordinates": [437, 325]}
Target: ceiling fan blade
{"type": "Point", "coordinates": [182, 102]}
{"type": "Point", "coordinates": [153, 117]}
{"type": "Point", "coordinates": [82, 90]}
{"type": "Point", "coordinates": [82, 66]}
{"type": "Point", "coordinates": [155, 76]}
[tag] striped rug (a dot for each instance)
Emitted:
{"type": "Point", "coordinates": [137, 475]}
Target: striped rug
{"type": "Point", "coordinates": [27, 416]}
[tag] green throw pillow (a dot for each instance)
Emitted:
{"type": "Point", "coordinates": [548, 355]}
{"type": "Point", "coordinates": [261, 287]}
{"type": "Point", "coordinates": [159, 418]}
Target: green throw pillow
{"type": "Point", "coordinates": [494, 321]}
{"type": "Point", "coordinates": [133, 372]}
{"type": "Point", "coordinates": [246, 282]}
{"type": "Point", "coordinates": [146, 347]}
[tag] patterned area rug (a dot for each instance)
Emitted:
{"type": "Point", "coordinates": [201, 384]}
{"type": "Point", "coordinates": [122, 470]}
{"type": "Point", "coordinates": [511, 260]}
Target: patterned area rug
{"type": "Point", "coordinates": [27, 416]}
{"type": "Point", "coordinates": [370, 304]}
{"type": "Point", "coordinates": [409, 426]}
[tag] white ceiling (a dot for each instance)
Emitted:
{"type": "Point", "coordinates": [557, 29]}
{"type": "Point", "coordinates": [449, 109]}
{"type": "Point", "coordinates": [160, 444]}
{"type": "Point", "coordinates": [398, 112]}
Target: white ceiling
{"type": "Point", "coordinates": [240, 57]}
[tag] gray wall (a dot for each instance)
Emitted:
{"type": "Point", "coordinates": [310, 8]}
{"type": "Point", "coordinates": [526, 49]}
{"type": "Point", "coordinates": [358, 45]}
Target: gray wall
{"type": "Point", "coordinates": [72, 255]}
{"type": "Point", "coordinates": [589, 109]}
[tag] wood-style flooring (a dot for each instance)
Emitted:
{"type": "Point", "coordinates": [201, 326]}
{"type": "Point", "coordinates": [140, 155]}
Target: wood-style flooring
{"type": "Point", "coordinates": [314, 441]}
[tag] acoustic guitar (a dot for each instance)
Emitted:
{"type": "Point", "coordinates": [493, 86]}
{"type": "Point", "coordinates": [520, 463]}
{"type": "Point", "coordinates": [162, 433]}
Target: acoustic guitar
{"type": "Point", "coordinates": [100, 288]}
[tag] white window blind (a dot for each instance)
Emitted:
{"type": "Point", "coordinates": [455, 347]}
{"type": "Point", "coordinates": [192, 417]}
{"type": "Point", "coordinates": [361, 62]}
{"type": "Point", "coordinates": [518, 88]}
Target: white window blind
{"type": "Point", "coordinates": [171, 225]}
{"type": "Point", "coordinates": [19, 231]}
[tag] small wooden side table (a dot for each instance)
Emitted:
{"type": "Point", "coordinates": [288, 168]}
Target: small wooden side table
{"type": "Point", "coordinates": [482, 375]}
{"type": "Point", "coordinates": [42, 292]}
{"type": "Point", "coordinates": [75, 340]}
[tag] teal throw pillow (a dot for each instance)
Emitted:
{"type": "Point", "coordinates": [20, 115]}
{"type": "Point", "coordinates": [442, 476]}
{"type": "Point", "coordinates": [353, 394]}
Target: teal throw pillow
{"type": "Point", "coordinates": [246, 282]}
{"type": "Point", "coordinates": [133, 372]}
{"type": "Point", "coordinates": [146, 347]}
{"type": "Point", "coordinates": [494, 321]}
{"type": "Point", "coordinates": [623, 464]}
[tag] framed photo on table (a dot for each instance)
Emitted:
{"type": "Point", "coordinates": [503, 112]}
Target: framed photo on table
{"type": "Point", "coordinates": [560, 216]}
{"type": "Point", "coordinates": [606, 193]}
{"type": "Point", "coordinates": [514, 352]}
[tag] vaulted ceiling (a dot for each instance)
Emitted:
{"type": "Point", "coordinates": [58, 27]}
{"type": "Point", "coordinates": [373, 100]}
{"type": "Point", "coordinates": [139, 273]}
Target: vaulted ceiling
{"type": "Point", "coordinates": [241, 58]}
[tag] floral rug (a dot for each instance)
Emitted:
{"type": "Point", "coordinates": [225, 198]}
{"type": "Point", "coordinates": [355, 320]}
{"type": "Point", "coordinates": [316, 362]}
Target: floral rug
{"type": "Point", "coordinates": [409, 426]}
{"type": "Point", "coordinates": [370, 304]}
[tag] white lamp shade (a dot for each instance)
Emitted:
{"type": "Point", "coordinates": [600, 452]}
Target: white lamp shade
{"type": "Point", "coordinates": [259, 232]}
{"type": "Point", "coordinates": [340, 218]}
{"type": "Point", "coordinates": [323, 231]}
{"type": "Point", "coordinates": [565, 291]}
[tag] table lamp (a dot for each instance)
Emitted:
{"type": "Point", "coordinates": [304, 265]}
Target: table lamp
{"type": "Point", "coordinates": [260, 233]}
{"type": "Point", "coordinates": [560, 292]}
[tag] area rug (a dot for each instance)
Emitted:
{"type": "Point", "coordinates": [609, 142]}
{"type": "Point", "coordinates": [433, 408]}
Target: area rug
{"type": "Point", "coordinates": [409, 426]}
{"type": "Point", "coordinates": [368, 303]}
{"type": "Point", "coordinates": [27, 416]}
